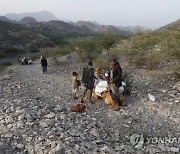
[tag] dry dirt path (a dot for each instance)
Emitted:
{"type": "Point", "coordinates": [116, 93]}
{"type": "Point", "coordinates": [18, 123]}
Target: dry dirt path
{"type": "Point", "coordinates": [35, 116]}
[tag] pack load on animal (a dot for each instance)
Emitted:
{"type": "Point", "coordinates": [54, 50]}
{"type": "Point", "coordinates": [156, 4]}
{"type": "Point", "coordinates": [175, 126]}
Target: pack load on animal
{"type": "Point", "coordinates": [102, 86]}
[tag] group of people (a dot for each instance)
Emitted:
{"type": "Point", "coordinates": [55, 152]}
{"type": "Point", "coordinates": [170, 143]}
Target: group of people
{"type": "Point", "coordinates": [114, 80]}
{"type": "Point", "coordinates": [24, 61]}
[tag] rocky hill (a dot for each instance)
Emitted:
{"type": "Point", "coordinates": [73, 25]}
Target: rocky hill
{"type": "Point", "coordinates": [3, 18]}
{"type": "Point", "coordinates": [88, 24]}
{"type": "Point", "coordinates": [171, 26]}
{"type": "Point", "coordinates": [60, 28]}
{"type": "Point", "coordinates": [39, 16]}
{"type": "Point", "coordinates": [28, 20]}
{"type": "Point", "coordinates": [28, 33]}
{"type": "Point", "coordinates": [15, 38]}
{"type": "Point", "coordinates": [104, 28]}
{"type": "Point", "coordinates": [112, 29]}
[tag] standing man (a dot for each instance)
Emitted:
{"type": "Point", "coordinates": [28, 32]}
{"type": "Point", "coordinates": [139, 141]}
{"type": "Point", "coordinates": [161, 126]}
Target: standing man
{"type": "Point", "coordinates": [115, 81]}
{"type": "Point", "coordinates": [88, 80]}
{"type": "Point", "coordinates": [44, 64]}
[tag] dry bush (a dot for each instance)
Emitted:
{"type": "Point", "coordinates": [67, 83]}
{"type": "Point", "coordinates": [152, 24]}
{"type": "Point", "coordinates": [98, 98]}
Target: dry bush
{"type": "Point", "coordinates": [153, 59]}
{"type": "Point", "coordinates": [102, 62]}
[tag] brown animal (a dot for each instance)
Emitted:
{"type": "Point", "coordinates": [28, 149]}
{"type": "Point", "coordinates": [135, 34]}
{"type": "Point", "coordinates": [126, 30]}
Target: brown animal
{"type": "Point", "coordinates": [106, 95]}
{"type": "Point", "coordinates": [94, 95]}
{"type": "Point", "coordinates": [77, 108]}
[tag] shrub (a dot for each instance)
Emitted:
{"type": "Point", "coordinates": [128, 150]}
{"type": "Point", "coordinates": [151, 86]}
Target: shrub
{"type": "Point", "coordinates": [42, 44]}
{"type": "Point", "coordinates": [58, 40]}
{"type": "Point", "coordinates": [88, 49]}
{"type": "Point", "coordinates": [108, 40]}
{"type": "Point", "coordinates": [139, 58]}
{"type": "Point", "coordinates": [150, 48]}
{"type": "Point", "coordinates": [153, 59]}
{"type": "Point", "coordinates": [102, 62]}
{"type": "Point", "coordinates": [60, 50]}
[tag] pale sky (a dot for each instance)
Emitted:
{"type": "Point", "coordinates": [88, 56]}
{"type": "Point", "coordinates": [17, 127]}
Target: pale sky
{"type": "Point", "coordinates": [151, 13]}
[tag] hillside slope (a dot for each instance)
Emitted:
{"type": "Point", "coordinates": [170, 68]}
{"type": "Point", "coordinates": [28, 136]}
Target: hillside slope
{"type": "Point", "coordinates": [16, 38]}
{"type": "Point", "coordinates": [88, 24]}
{"type": "Point", "coordinates": [112, 29]}
{"type": "Point", "coordinates": [27, 20]}
{"type": "Point", "coordinates": [104, 28]}
{"type": "Point", "coordinates": [171, 26]}
{"type": "Point", "coordinates": [60, 28]}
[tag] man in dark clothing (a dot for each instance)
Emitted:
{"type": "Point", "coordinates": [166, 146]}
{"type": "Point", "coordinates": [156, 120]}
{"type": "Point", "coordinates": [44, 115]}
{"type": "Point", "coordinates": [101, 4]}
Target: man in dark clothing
{"type": "Point", "coordinates": [44, 65]}
{"type": "Point", "coordinates": [115, 81]}
{"type": "Point", "coordinates": [88, 80]}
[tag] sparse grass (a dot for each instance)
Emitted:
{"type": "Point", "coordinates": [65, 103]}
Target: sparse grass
{"type": "Point", "coordinates": [35, 57]}
{"type": "Point", "coordinates": [87, 49]}
{"type": "Point", "coordinates": [2, 68]}
{"type": "Point", "coordinates": [33, 50]}
{"type": "Point", "coordinates": [58, 50]}
{"type": "Point", "coordinates": [176, 71]}
{"type": "Point", "coordinates": [55, 61]}
{"type": "Point", "coordinates": [6, 64]}
{"type": "Point", "coordinates": [153, 59]}
{"type": "Point", "coordinates": [63, 50]}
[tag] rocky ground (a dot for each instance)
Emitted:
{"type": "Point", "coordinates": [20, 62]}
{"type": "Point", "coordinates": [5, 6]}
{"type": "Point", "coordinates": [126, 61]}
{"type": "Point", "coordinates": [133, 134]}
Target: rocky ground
{"type": "Point", "coordinates": [35, 116]}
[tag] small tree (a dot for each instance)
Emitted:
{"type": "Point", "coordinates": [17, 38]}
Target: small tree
{"type": "Point", "coordinates": [108, 40]}
{"type": "Point", "coordinates": [87, 49]}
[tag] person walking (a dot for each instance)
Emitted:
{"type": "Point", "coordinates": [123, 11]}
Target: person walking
{"type": "Point", "coordinates": [88, 79]}
{"type": "Point", "coordinates": [44, 65]}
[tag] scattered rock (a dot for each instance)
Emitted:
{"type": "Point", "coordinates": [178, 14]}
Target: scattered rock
{"type": "Point", "coordinates": [35, 115]}
{"type": "Point", "coordinates": [173, 149]}
{"type": "Point", "coordinates": [176, 120]}
{"type": "Point", "coordinates": [152, 98]}
{"type": "Point", "coordinates": [20, 146]}
{"type": "Point", "coordinates": [50, 115]}
{"type": "Point", "coordinates": [95, 133]}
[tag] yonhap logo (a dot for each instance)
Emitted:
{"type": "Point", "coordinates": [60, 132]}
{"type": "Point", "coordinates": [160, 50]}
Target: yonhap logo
{"type": "Point", "coordinates": [137, 140]}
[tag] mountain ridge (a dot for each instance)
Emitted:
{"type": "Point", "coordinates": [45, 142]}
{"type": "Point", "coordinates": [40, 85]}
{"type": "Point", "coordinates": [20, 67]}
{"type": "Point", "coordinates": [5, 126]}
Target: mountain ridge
{"type": "Point", "coordinates": [39, 16]}
{"type": "Point", "coordinates": [173, 25]}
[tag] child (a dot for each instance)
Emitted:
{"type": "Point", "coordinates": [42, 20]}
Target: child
{"type": "Point", "coordinates": [74, 84]}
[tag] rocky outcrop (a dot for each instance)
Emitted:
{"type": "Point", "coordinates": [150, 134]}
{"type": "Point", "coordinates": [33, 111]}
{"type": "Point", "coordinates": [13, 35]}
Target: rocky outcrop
{"type": "Point", "coordinates": [27, 20]}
